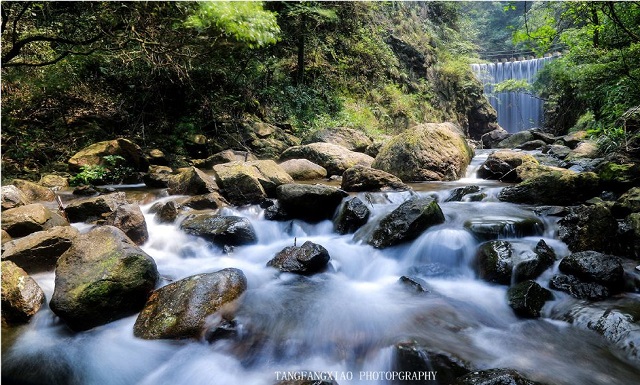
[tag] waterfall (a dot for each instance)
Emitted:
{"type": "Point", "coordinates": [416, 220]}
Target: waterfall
{"type": "Point", "coordinates": [517, 111]}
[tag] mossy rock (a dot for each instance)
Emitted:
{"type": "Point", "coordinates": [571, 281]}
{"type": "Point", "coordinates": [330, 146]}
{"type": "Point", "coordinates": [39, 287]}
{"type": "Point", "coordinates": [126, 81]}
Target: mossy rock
{"type": "Point", "coordinates": [618, 176]}
{"type": "Point", "coordinates": [221, 230]}
{"type": "Point", "coordinates": [303, 169]}
{"type": "Point", "coordinates": [589, 228]}
{"type": "Point", "coordinates": [628, 203]}
{"type": "Point", "coordinates": [527, 298]}
{"type": "Point", "coordinates": [33, 191]}
{"type": "Point", "coordinates": [348, 138]}
{"type": "Point", "coordinates": [494, 262]}
{"type": "Point", "coordinates": [361, 178]}
{"type": "Point", "coordinates": [311, 203]}
{"type": "Point", "coordinates": [553, 187]}
{"type": "Point", "coordinates": [24, 220]}
{"type": "Point", "coordinates": [21, 295]}
{"type": "Point", "coordinates": [93, 155]}
{"type": "Point", "coordinates": [501, 165]}
{"type": "Point", "coordinates": [40, 251]}
{"type": "Point", "coordinates": [334, 158]}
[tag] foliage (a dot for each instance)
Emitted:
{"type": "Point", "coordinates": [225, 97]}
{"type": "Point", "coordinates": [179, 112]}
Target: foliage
{"type": "Point", "coordinates": [113, 171]}
{"type": "Point", "coordinates": [513, 85]}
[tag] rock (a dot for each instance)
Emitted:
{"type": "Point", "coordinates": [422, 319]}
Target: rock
{"type": "Point", "coordinates": [532, 266]}
{"type": "Point", "coordinates": [34, 192]}
{"type": "Point", "coordinates": [167, 213]}
{"type": "Point", "coordinates": [501, 165]}
{"type": "Point", "coordinates": [494, 262]}
{"type": "Point", "coordinates": [426, 152]}
{"type": "Point", "coordinates": [303, 169]}
{"type": "Point", "coordinates": [589, 228]}
{"type": "Point", "coordinates": [628, 203]}
{"type": "Point", "coordinates": [101, 278]}
{"type": "Point", "coordinates": [459, 193]}
{"type": "Point", "coordinates": [196, 146]}
{"type": "Point", "coordinates": [586, 149]}
{"type": "Point", "coordinates": [28, 219]}
{"type": "Point", "coordinates": [96, 208]}
{"type": "Point", "coordinates": [517, 139]}
{"type": "Point", "coordinates": [224, 329]}
{"type": "Point", "coordinates": [493, 227]}
{"type": "Point", "coordinates": [129, 219]}
{"type": "Point", "coordinates": [270, 175]}
{"type": "Point", "coordinates": [361, 178]}
{"type": "Point", "coordinates": [309, 202]}
{"type": "Point", "coordinates": [619, 176]}
{"type": "Point", "coordinates": [158, 177]}
{"type": "Point", "coordinates": [591, 266]}
{"type": "Point", "coordinates": [559, 151]}
{"type": "Point", "coordinates": [546, 137]}
{"type": "Point", "coordinates": [494, 377]}
{"type": "Point", "coordinates": [553, 188]}
{"type": "Point", "coordinates": [532, 145]}
{"type": "Point", "coordinates": [492, 138]}
{"type": "Point", "coordinates": [221, 230]}
{"type": "Point", "coordinates": [310, 258]}
{"type": "Point", "coordinates": [180, 309]}
{"type": "Point", "coordinates": [191, 181]}
{"type": "Point", "coordinates": [21, 295]}
{"type": "Point", "coordinates": [335, 159]}
{"type": "Point", "coordinates": [157, 157]}
{"type": "Point", "coordinates": [12, 197]}
{"type": "Point", "coordinates": [352, 215]}
{"type": "Point", "coordinates": [411, 357]}
{"type": "Point", "coordinates": [5, 237]}
{"type": "Point", "coordinates": [39, 251]}
{"type": "Point", "coordinates": [527, 298]}
{"type": "Point", "coordinates": [353, 140]}
{"type": "Point", "coordinates": [85, 191]}
{"type": "Point", "coordinates": [229, 155]}
{"type": "Point", "coordinates": [53, 181]}
{"type": "Point", "coordinates": [573, 139]}
{"type": "Point", "coordinates": [209, 201]}
{"type": "Point", "coordinates": [250, 182]}
{"type": "Point", "coordinates": [406, 222]}
{"type": "Point", "coordinates": [93, 155]}
{"type": "Point", "coordinates": [578, 289]}
{"type": "Point", "coordinates": [630, 236]}
{"type": "Point", "coordinates": [374, 149]}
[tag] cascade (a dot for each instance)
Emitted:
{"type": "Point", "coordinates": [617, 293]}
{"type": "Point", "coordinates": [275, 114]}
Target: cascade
{"type": "Point", "coordinates": [517, 111]}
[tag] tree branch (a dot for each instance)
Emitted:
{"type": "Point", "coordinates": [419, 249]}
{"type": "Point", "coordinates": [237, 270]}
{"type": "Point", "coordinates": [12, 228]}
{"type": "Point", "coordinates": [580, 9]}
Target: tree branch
{"type": "Point", "coordinates": [19, 45]}
{"type": "Point", "coordinates": [614, 16]}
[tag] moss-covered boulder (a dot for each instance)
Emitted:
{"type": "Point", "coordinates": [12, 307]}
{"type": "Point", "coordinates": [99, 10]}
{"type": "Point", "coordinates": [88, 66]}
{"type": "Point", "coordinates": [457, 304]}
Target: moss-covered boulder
{"type": "Point", "coordinates": [361, 178]}
{"type": "Point", "coordinates": [552, 187]}
{"type": "Point", "coordinates": [191, 181]}
{"type": "Point", "coordinates": [353, 140]}
{"type": "Point", "coordinates": [21, 295]}
{"type": "Point", "coordinates": [229, 155]}
{"type": "Point", "coordinates": [527, 298]}
{"type": "Point", "coordinates": [589, 228]}
{"type": "Point", "coordinates": [180, 309]}
{"type": "Point", "coordinates": [501, 165]}
{"type": "Point", "coordinates": [628, 203]}
{"type": "Point", "coordinates": [494, 262]}
{"type": "Point", "coordinates": [33, 191]}
{"type": "Point", "coordinates": [619, 176]}
{"type": "Point", "coordinates": [129, 219]}
{"type": "Point", "coordinates": [352, 215]}
{"type": "Point", "coordinates": [54, 181]}
{"type": "Point", "coordinates": [432, 151]}
{"type": "Point", "coordinates": [101, 278]}
{"type": "Point", "coordinates": [309, 202]}
{"type": "Point", "coordinates": [219, 229]}
{"type": "Point", "coordinates": [40, 251]}
{"type": "Point", "coordinates": [94, 155]}
{"type": "Point", "coordinates": [250, 182]}
{"type": "Point", "coordinates": [334, 158]}
{"type": "Point", "coordinates": [95, 208]}
{"type": "Point", "coordinates": [310, 258]}
{"type": "Point", "coordinates": [13, 197]}
{"type": "Point", "coordinates": [28, 219]}
{"type": "Point", "coordinates": [303, 169]}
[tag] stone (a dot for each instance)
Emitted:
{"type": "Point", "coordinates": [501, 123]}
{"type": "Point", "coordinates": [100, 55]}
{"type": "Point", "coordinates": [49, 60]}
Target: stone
{"type": "Point", "coordinates": [95, 208]}
{"type": "Point", "coordinates": [501, 165]}
{"type": "Point", "coordinates": [221, 230]}
{"type": "Point", "coordinates": [427, 152]}
{"type": "Point", "coordinates": [559, 151]}
{"type": "Point", "coordinates": [24, 220]}
{"type": "Point", "coordinates": [493, 227]}
{"type": "Point", "coordinates": [196, 146]}
{"type": "Point", "coordinates": [311, 203]}
{"type": "Point", "coordinates": [229, 155]}
{"type": "Point", "coordinates": [33, 191]}
{"type": "Point", "coordinates": [586, 149]}
{"type": "Point", "coordinates": [129, 219]}
{"type": "Point", "coordinates": [209, 201]}
{"type": "Point", "coordinates": [40, 251]}
{"type": "Point", "coordinates": [158, 176]}
{"type": "Point", "coordinates": [458, 194]}
{"type": "Point", "coordinates": [353, 140]}
{"type": "Point", "coordinates": [103, 277]}
{"type": "Point", "coordinates": [303, 169]}
{"type": "Point", "coordinates": [628, 203]}
{"type": "Point", "coordinates": [13, 197]}
{"type": "Point", "coordinates": [191, 181]}
{"type": "Point", "coordinates": [546, 137]}
{"type": "Point", "coordinates": [589, 228]}
{"type": "Point", "coordinates": [374, 149]}
{"type": "Point", "coordinates": [411, 357]}
{"type": "Point", "coordinates": [180, 309]}
{"type": "Point", "coordinates": [552, 187]}
{"type": "Point", "coordinates": [517, 139]}
{"type": "Point", "coordinates": [157, 157]}
{"type": "Point", "coordinates": [93, 155]}
{"type": "Point", "coordinates": [582, 290]}
{"type": "Point", "coordinates": [619, 176]}
{"type": "Point", "coordinates": [53, 181]}
{"type": "Point", "coordinates": [5, 237]}
{"type": "Point", "coordinates": [591, 266]}
{"type": "Point", "coordinates": [532, 266]}
{"type": "Point", "coordinates": [167, 213]}
{"type": "Point", "coordinates": [414, 284]}
{"type": "Point", "coordinates": [361, 178]}
{"type": "Point", "coordinates": [527, 298]}
{"type": "Point", "coordinates": [334, 158]}
{"type": "Point", "coordinates": [310, 258]}
{"type": "Point", "coordinates": [573, 139]}
{"type": "Point", "coordinates": [532, 145]}
{"type": "Point", "coordinates": [352, 215]}
{"type": "Point", "coordinates": [406, 222]}
{"type": "Point", "coordinates": [250, 182]}
{"type": "Point", "coordinates": [494, 262]}
{"type": "Point", "coordinates": [21, 295]}
{"type": "Point", "coordinates": [492, 138]}
{"type": "Point", "coordinates": [494, 377]}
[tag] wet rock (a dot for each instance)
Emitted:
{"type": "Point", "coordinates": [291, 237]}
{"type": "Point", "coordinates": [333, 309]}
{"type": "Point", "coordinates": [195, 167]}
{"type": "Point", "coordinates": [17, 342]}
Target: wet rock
{"type": "Point", "coordinates": [489, 227]}
{"type": "Point", "coordinates": [12, 197]}
{"type": "Point", "coordinates": [588, 228]}
{"type": "Point", "coordinates": [492, 138]}
{"type": "Point", "coordinates": [494, 262]}
{"type": "Point", "coordinates": [310, 258]}
{"type": "Point", "coordinates": [578, 289]}
{"type": "Point", "coordinates": [559, 151]}
{"type": "Point", "coordinates": [303, 169]}
{"type": "Point", "coordinates": [53, 181]}
{"type": "Point", "coordinates": [494, 377]}
{"type": "Point", "coordinates": [591, 266]}
{"type": "Point", "coordinates": [459, 193]}
{"type": "Point", "coordinates": [129, 218]}
{"type": "Point", "coordinates": [21, 295]}
{"type": "Point", "coordinates": [275, 212]}
{"type": "Point", "coordinates": [39, 251]}
{"type": "Point", "coordinates": [224, 329]}
{"type": "Point", "coordinates": [221, 230]}
{"type": "Point", "coordinates": [361, 178]}
{"type": "Point", "coordinates": [532, 267]}
{"type": "Point", "coordinates": [94, 155]}
{"type": "Point", "coordinates": [553, 187]}
{"type": "Point", "coordinates": [309, 202]}
{"type": "Point", "coordinates": [191, 181]}
{"type": "Point", "coordinates": [406, 222]}
{"type": "Point", "coordinates": [101, 278]}
{"type": "Point", "coordinates": [431, 151]}
{"type": "Point", "coordinates": [544, 136]}
{"type": "Point", "coordinates": [167, 213]}
{"type": "Point", "coordinates": [619, 177]}
{"type": "Point", "coordinates": [352, 140]}
{"type": "Point", "coordinates": [628, 203]}
{"type": "Point", "coordinates": [334, 158]}
{"type": "Point", "coordinates": [209, 201]}
{"type": "Point", "coordinates": [352, 215]}
{"type": "Point", "coordinates": [411, 357]}
{"type": "Point", "coordinates": [630, 236]}
{"type": "Point", "coordinates": [24, 220]}
{"type": "Point", "coordinates": [179, 310]}
{"type": "Point", "coordinates": [501, 165]}
{"type": "Point", "coordinates": [527, 298]}
{"type": "Point", "coordinates": [531, 145]}
{"type": "Point", "coordinates": [573, 139]}
{"type": "Point", "coordinates": [229, 155]}
{"type": "Point", "coordinates": [250, 182]}
{"type": "Point", "coordinates": [158, 177]}
{"type": "Point", "coordinates": [516, 139]}
{"type": "Point", "coordinates": [33, 191]}
{"type": "Point", "coordinates": [415, 284]}
{"type": "Point", "coordinates": [374, 149]}
{"type": "Point", "coordinates": [96, 208]}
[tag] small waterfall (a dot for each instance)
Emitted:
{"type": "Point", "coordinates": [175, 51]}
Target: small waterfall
{"type": "Point", "coordinates": [517, 111]}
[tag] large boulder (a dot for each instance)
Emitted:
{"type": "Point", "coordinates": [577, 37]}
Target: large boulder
{"type": "Point", "coordinates": [303, 169]}
{"type": "Point", "coordinates": [180, 309]}
{"type": "Point", "coordinates": [101, 278]}
{"type": "Point", "coordinates": [591, 266]}
{"type": "Point", "coordinates": [501, 165]}
{"type": "Point", "coordinates": [353, 140]}
{"type": "Point", "coordinates": [13, 197]}
{"type": "Point", "coordinates": [589, 228]}
{"type": "Point", "coordinates": [33, 191]}
{"type": "Point", "coordinates": [21, 295]}
{"type": "Point", "coordinates": [527, 298]}
{"type": "Point", "coordinates": [361, 178]}
{"type": "Point", "coordinates": [309, 202]}
{"type": "Point", "coordinates": [250, 182]}
{"type": "Point", "coordinates": [552, 187]}
{"type": "Point", "coordinates": [40, 251]}
{"type": "Point", "coordinates": [95, 208]}
{"type": "Point", "coordinates": [582, 290]}
{"type": "Point", "coordinates": [229, 155]}
{"type": "Point", "coordinates": [93, 155]}
{"type": "Point", "coordinates": [619, 176]}
{"type": "Point", "coordinates": [352, 215]}
{"type": "Point", "coordinates": [191, 181]}
{"type": "Point", "coordinates": [492, 138]}
{"type": "Point", "coordinates": [406, 222]}
{"type": "Point", "coordinates": [310, 258]}
{"type": "Point", "coordinates": [431, 151]}
{"type": "Point", "coordinates": [219, 229]}
{"type": "Point", "coordinates": [517, 139]}
{"type": "Point", "coordinates": [628, 203]}
{"type": "Point", "coordinates": [412, 357]}
{"type": "Point", "coordinates": [129, 218]}
{"type": "Point", "coordinates": [28, 219]}
{"type": "Point", "coordinates": [334, 158]}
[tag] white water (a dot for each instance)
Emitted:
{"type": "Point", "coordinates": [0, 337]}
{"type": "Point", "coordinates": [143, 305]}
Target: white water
{"type": "Point", "coordinates": [517, 111]}
{"type": "Point", "coordinates": [344, 321]}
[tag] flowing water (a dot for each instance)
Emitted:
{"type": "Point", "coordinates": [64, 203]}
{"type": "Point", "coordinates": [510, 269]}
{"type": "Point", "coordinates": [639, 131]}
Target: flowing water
{"type": "Point", "coordinates": [517, 111]}
{"type": "Point", "coordinates": [344, 321]}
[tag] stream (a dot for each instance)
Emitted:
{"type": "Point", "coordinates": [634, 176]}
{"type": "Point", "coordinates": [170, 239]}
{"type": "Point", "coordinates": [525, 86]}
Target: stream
{"type": "Point", "coordinates": [345, 321]}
